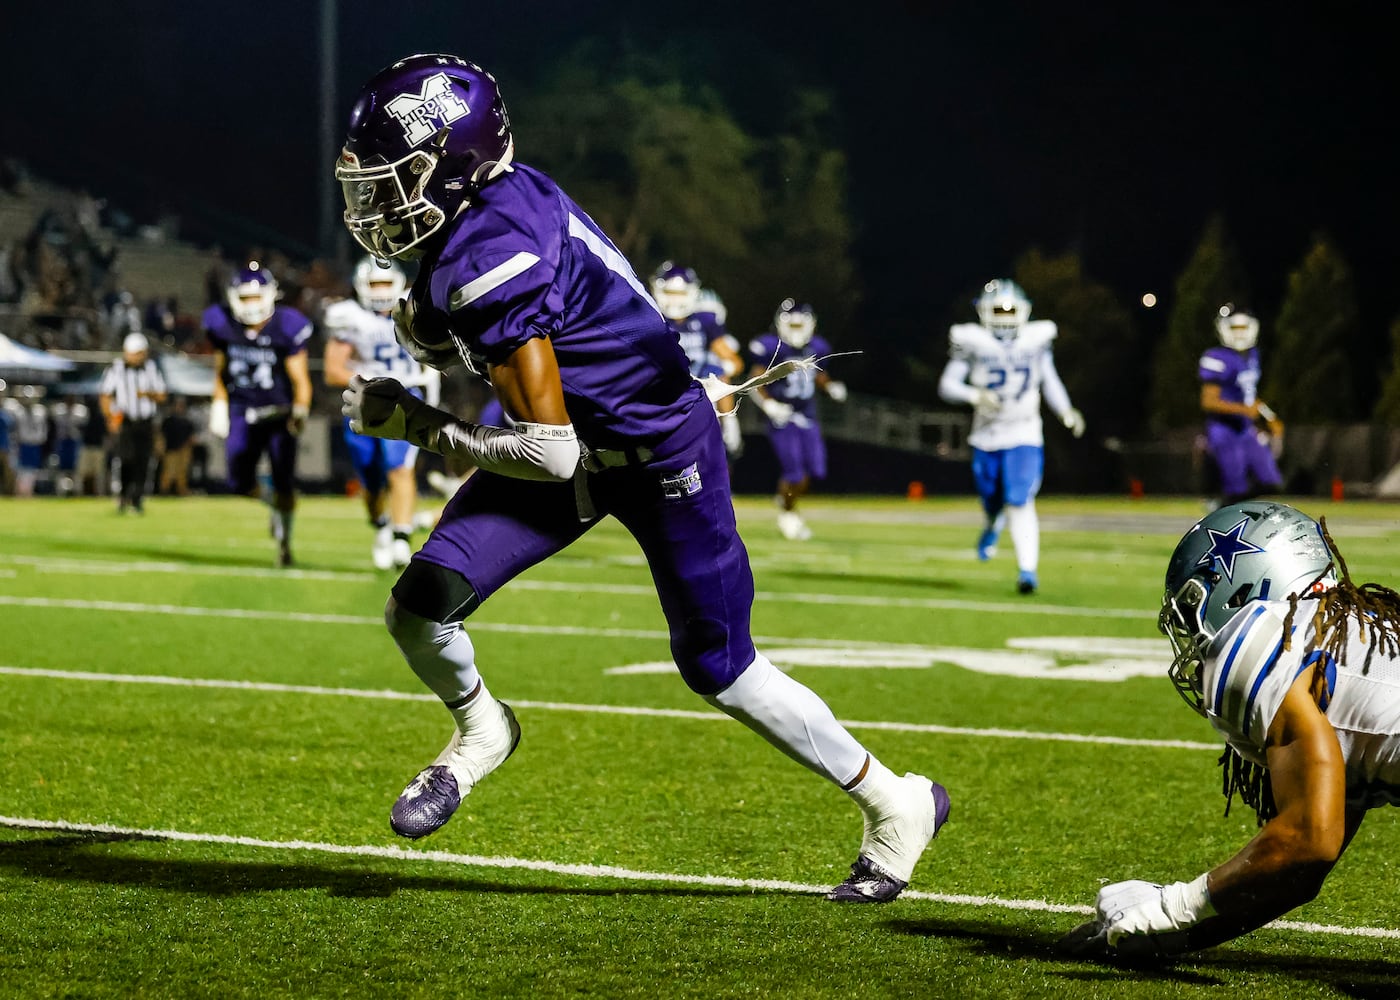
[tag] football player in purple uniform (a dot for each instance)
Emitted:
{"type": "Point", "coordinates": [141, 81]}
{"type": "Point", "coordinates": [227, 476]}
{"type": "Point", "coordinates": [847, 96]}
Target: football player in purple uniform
{"type": "Point", "coordinates": [518, 283]}
{"type": "Point", "coordinates": [709, 347]}
{"type": "Point", "coordinates": [1242, 450]}
{"type": "Point", "coordinates": [790, 405]}
{"type": "Point", "coordinates": [262, 395]}
{"type": "Point", "coordinates": [1298, 669]}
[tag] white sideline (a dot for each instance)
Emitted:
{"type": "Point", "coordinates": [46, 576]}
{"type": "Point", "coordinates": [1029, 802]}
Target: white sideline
{"type": "Point", "coordinates": [562, 706]}
{"type": "Point", "coordinates": [606, 871]}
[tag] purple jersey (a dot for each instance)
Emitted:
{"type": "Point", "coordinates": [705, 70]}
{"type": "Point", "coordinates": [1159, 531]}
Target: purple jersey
{"type": "Point", "coordinates": [799, 389]}
{"type": "Point", "coordinates": [525, 261]}
{"type": "Point", "coordinates": [255, 361]}
{"type": "Point", "coordinates": [1237, 374]}
{"type": "Point", "coordinates": [696, 333]}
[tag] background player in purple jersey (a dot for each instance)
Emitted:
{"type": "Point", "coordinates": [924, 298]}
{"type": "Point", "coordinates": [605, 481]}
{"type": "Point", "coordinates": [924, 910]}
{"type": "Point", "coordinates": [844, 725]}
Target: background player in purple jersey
{"type": "Point", "coordinates": [1241, 430]}
{"type": "Point", "coordinates": [517, 282]}
{"type": "Point", "coordinates": [262, 395]}
{"type": "Point", "coordinates": [790, 405]}
{"type": "Point", "coordinates": [709, 347]}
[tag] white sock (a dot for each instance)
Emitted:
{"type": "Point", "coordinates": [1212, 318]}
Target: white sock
{"type": "Point", "coordinates": [282, 525]}
{"type": "Point", "coordinates": [1025, 535]}
{"type": "Point", "coordinates": [794, 719]}
{"type": "Point", "coordinates": [442, 655]}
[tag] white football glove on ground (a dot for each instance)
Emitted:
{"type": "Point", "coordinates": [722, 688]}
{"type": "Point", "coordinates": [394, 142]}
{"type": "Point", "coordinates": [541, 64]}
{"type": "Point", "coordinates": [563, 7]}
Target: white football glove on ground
{"type": "Point", "coordinates": [1144, 918]}
{"type": "Point", "coordinates": [1074, 421]}
{"type": "Point", "coordinates": [218, 418]}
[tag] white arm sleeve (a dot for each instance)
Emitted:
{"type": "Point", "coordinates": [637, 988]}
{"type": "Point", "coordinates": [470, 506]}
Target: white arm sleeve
{"type": "Point", "coordinates": [1056, 397]}
{"type": "Point", "coordinates": [952, 385]}
{"type": "Point", "coordinates": [547, 452]}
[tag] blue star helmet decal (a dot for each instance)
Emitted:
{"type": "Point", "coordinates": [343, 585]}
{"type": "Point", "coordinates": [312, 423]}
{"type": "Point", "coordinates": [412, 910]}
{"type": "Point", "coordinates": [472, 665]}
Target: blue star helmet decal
{"type": "Point", "coordinates": [1226, 547]}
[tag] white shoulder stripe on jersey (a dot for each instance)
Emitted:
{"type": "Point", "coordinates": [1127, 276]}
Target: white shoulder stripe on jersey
{"type": "Point", "coordinates": [1212, 364]}
{"type": "Point", "coordinates": [493, 279]}
{"type": "Point", "coordinates": [611, 258]}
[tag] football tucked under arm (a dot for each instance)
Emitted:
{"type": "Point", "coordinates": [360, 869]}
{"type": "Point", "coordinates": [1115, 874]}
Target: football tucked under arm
{"type": "Point", "coordinates": [383, 408]}
{"type": "Point", "coordinates": [427, 340]}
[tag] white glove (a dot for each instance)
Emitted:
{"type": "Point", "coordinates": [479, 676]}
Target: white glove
{"type": "Point", "coordinates": [218, 418]}
{"type": "Point", "coordinates": [1144, 918]}
{"type": "Point", "coordinates": [778, 412]}
{"type": "Point", "coordinates": [733, 435]}
{"type": "Point", "coordinates": [440, 356]}
{"type": "Point", "coordinates": [296, 423]}
{"type": "Point", "coordinates": [1074, 420]}
{"type": "Point", "coordinates": [986, 402]}
{"type": "Point", "coordinates": [837, 391]}
{"type": "Point", "coordinates": [383, 408]}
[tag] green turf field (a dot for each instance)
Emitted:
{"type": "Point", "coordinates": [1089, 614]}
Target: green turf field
{"type": "Point", "coordinates": [199, 753]}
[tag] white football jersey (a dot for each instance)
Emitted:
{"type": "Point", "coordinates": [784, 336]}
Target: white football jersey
{"type": "Point", "coordinates": [1013, 369]}
{"type": "Point", "coordinates": [1248, 672]}
{"type": "Point", "coordinates": [377, 352]}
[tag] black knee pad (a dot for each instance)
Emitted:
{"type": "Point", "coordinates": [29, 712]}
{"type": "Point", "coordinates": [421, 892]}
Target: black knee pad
{"type": "Point", "coordinates": [433, 592]}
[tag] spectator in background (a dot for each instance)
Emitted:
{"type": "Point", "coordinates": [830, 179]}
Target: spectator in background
{"type": "Point", "coordinates": [92, 455]}
{"type": "Point", "coordinates": [176, 446]}
{"type": "Point", "coordinates": [7, 464]}
{"type": "Point", "coordinates": [69, 416]}
{"type": "Point", "coordinates": [32, 436]}
{"type": "Point", "coordinates": [132, 387]}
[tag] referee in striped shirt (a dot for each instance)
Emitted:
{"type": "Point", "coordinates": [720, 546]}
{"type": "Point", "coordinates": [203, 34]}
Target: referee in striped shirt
{"type": "Point", "coordinates": [131, 388]}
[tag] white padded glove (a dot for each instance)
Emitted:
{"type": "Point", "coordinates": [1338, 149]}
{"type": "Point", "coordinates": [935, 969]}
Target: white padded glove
{"type": "Point", "coordinates": [440, 356]}
{"type": "Point", "coordinates": [733, 435]}
{"type": "Point", "coordinates": [383, 408]}
{"type": "Point", "coordinates": [218, 418]}
{"type": "Point", "coordinates": [778, 412]}
{"type": "Point", "coordinates": [1074, 420]}
{"type": "Point", "coordinates": [837, 391]}
{"type": "Point", "coordinates": [296, 423]}
{"type": "Point", "coordinates": [1144, 918]}
{"type": "Point", "coordinates": [986, 402]}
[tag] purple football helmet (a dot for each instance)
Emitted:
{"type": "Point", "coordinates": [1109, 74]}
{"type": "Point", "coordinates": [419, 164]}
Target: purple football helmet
{"type": "Point", "coordinates": [676, 289]}
{"type": "Point", "coordinates": [425, 134]}
{"type": "Point", "coordinates": [252, 294]}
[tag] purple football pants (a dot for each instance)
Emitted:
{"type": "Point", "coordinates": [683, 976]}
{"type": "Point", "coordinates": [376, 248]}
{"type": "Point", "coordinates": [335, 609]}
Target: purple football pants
{"type": "Point", "coordinates": [1240, 455]}
{"type": "Point", "coordinates": [246, 444]}
{"type": "Point", "coordinates": [678, 507]}
{"type": "Point", "coordinates": [801, 451]}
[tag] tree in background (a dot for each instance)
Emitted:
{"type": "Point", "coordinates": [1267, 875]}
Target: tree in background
{"type": "Point", "coordinates": [1388, 407]}
{"type": "Point", "coordinates": [1211, 278]}
{"type": "Point", "coordinates": [1307, 362]}
{"type": "Point", "coordinates": [672, 175]}
{"type": "Point", "coordinates": [1098, 351]}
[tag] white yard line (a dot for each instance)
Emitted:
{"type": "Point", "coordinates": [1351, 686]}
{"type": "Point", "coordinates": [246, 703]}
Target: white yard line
{"type": "Point", "coordinates": [601, 871]}
{"type": "Point", "coordinates": [559, 706]}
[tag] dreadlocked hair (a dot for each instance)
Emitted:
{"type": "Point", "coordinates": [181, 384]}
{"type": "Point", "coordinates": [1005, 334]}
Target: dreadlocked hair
{"type": "Point", "coordinates": [1376, 610]}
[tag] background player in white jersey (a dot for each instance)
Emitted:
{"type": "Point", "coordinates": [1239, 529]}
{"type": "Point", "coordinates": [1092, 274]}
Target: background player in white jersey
{"type": "Point", "coordinates": [1298, 668]}
{"type": "Point", "coordinates": [360, 340]}
{"type": "Point", "coordinates": [1001, 366]}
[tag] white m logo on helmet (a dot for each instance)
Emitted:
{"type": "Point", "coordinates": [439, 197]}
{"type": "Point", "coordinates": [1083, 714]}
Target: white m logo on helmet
{"type": "Point", "coordinates": [423, 113]}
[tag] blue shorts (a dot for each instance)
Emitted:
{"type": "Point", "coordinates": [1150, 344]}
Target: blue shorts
{"type": "Point", "coordinates": [374, 458]}
{"type": "Point", "coordinates": [1008, 478]}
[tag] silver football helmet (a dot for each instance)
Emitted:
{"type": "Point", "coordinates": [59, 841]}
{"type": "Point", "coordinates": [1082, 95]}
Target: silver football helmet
{"type": "Point", "coordinates": [1003, 307]}
{"type": "Point", "coordinates": [1251, 551]}
{"type": "Point", "coordinates": [795, 322]}
{"type": "Point", "coordinates": [1237, 329]}
{"type": "Point", "coordinates": [379, 284]}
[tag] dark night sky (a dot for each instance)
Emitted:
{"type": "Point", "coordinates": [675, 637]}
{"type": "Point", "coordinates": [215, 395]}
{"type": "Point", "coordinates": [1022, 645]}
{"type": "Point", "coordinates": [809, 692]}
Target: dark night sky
{"type": "Point", "coordinates": [973, 131]}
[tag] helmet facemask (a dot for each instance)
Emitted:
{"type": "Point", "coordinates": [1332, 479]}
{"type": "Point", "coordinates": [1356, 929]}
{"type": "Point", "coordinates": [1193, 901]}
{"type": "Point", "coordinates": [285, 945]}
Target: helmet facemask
{"type": "Point", "coordinates": [379, 287]}
{"type": "Point", "coordinates": [676, 297]}
{"type": "Point", "coordinates": [1238, 331]}
{"type": "Point", "coordinates": [1003, 308]}
{"type": "Point", "coordinates": [252, 297]}
{"type": "Point", "coordinates": [796, 324]}
{"type": "Point", "coordinates": [386, 207]}
{"type": "Point", "coordinates": [1182, 623]}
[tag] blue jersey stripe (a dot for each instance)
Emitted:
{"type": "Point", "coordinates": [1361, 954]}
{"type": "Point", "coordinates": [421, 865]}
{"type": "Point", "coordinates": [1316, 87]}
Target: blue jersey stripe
{"type": "Point", "coordinates": [1259, 682]}
{"type": "Point", "coordinates": [1229, 662]}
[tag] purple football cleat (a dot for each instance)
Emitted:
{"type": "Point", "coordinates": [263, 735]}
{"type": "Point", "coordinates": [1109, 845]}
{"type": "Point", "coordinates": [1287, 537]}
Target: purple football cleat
{"type": "Point", "coordinates": [900, 841]}
{"type": "Point", "coordinates": [435, 793]}
{"type": "Point", "coordinates": [428, 802]}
